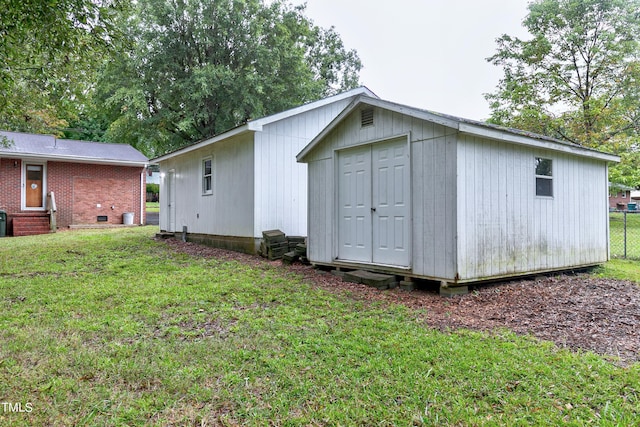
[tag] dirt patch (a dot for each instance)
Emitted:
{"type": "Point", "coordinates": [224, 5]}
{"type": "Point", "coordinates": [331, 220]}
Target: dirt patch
{"type": "Point", "coordinates": [574, 311]}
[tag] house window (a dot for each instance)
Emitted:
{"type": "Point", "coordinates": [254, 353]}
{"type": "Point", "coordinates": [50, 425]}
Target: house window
{"type": "Point", "coordinates": [207, 176]}
{"type": "Point", "coordinates": [544, 177]}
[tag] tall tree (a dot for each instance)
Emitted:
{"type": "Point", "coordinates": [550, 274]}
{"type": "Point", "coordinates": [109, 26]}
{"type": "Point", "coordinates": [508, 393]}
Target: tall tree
{"type": "Point", "coordinates": [202, 67]}
{"type": "Point", "coordinates": [48, 53]}
{"type": "Point", "coordinates": [577, 77]}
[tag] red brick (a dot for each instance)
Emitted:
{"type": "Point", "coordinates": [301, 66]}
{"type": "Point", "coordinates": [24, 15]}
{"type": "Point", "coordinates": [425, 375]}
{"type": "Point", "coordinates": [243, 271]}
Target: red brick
{"type": "Point", "coordinates": [79, 188]}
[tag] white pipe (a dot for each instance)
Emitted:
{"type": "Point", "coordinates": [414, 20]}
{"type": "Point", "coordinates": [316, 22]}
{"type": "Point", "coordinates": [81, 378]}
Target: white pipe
{"type": "Point", "coordinates": [142, 195]}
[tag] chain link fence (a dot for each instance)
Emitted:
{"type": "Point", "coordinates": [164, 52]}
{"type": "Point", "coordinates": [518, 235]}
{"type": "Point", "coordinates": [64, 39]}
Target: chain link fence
{"type": "Point", "coordinates": [624, 229]}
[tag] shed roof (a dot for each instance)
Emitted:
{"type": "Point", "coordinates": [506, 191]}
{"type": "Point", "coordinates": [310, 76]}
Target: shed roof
{"type": "Point", "coordinates": [467, 126]}
{"type": "Point", "coordinates": [47, 147]}
{"type": "Point", "coordinates": [256, 125]}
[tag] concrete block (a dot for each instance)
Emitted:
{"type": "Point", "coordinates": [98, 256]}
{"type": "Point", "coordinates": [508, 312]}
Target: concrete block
{"type": "Point", "coordinates": [376, 280]}
{"type": "Point", "coordinates": [451, 291]}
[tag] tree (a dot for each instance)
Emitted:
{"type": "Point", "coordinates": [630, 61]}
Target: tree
{"type": "Point", "coordinates": [200, 68]}
{"type": "Point", "coordinates": [578, 76]}
{"type": "Point", "coordinates": [48, 55]}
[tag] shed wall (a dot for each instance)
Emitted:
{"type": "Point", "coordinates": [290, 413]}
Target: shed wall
{"type": "Point", "coordinates": [280, 182]}
{"type": "Point", "coordinates": [505, 229]}
{"type": "Point", "coordinates": [228, 211]}
{"type": "Point", "coordinates": [433, 180]}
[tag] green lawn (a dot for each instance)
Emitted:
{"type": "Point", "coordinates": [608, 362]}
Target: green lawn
{"type": "Point", "coordinates": [153, 206]}
{"type": "Point", "coordinates": [111, 328]}
{"type": "Point", "coordinates": [616, 226]}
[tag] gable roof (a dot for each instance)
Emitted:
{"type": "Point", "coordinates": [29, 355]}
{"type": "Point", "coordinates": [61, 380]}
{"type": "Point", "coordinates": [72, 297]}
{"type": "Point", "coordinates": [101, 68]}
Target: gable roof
{"type": "Point", "coordinates": [47, 147]}
{"type": "Point", "coordinates": [257, 124]}
{"type": "Point", "coordinates": [466, 126]}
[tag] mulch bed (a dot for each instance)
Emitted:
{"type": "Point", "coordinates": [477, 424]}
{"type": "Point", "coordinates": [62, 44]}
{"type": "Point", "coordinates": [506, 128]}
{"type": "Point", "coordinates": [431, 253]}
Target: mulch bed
{"type": "Point", "coordinates": [579, 312]}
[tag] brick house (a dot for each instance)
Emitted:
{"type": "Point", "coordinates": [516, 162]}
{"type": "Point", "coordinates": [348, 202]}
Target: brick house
{"type": "Point", "coordinates": [620, 196]}
{"type": "Point", "coordinates": [88, 183]}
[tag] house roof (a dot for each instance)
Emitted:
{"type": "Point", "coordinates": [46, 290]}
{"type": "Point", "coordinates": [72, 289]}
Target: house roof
{"type": "Point", "coordinates": [257, 124]}
{"type": "Point", "coordinates": [47, 147]}
{"type": "Point", "coordinates": [466, 126]}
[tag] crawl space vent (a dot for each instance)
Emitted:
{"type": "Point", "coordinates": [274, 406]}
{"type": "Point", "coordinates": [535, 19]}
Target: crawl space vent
{"type": "Point", "coordinates": [102, 218]}
{"type": "Point", "coordinates": [366, 117]}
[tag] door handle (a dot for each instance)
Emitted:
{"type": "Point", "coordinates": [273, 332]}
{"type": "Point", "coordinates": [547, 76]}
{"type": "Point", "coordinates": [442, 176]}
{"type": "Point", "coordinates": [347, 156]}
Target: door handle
{"type": "Point", "coordinates": [373, 209]}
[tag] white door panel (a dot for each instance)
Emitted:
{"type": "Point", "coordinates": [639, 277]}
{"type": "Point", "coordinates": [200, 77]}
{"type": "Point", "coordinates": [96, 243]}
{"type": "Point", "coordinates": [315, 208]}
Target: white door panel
{"type": "Point", "coordinates": [373, 203]}
{"type": "Point", "coordinates": [391, 203]}
{"type": "Point", "coordinates": [354, 236]}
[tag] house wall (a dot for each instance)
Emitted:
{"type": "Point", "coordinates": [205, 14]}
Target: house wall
{"type": "Point", "coordinates": [228, 211]}
{"type": "Point", "coordinates": [10, 180]}
{"type": "Point", "coordinates": [280, 182]}
{"type": "Point", "coordinates": [78, 189]}
{"type": "Point", "coordinates": [505, 229]}
{"type": "Point", "coordinates": [433, 177]}
{"type": "Point", "coordinates": [620, 197]}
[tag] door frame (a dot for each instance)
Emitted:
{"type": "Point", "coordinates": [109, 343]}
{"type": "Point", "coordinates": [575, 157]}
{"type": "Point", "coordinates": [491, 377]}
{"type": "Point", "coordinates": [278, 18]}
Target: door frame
{"type": "Point", "coordinates": [23, 186]}
{"type": "Point", "coordinates": [336, 202]}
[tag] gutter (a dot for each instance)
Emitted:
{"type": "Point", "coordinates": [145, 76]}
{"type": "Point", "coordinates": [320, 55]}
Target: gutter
{"type": "Point", "coordinates": [73, 159]}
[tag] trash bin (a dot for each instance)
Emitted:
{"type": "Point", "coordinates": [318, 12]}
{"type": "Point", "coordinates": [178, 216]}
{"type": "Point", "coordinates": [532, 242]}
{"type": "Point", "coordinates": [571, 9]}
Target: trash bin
{"type": "Point", "coordinates": [127, 218]}
{"type": "Point", "coordinates": [632, 206]}
{"type": "Point", "coordinates": [3, 223]}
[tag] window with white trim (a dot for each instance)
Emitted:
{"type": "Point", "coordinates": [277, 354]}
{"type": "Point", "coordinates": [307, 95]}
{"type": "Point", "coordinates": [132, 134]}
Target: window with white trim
{"type": "Point", "coordinates": [207, 176]}
{"type": "Point", "coordinates": [544, 177]}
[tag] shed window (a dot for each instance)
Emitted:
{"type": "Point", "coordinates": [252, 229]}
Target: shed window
{"type": "Point", "coordinates": [544, 177]}
{"type": "Point", "coordinates": [207, 176]}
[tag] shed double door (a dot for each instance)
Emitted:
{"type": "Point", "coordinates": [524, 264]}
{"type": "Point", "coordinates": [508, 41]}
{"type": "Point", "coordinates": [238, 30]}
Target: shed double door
{"type": "Point", "coordinates": [373, 203]}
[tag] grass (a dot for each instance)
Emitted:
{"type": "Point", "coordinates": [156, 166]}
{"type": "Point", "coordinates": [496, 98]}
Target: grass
{"type": "Point", "coordinates": [111, 328]}
{"type": "Point", "coordinates": [153, 206]}
{"type": "Point", "coordinates": [621, 269]}
{"type": "Point", "coordinates": [616, 225]}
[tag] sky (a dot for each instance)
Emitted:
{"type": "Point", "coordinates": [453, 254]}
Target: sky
{"type": "Point", "coordinates": [429, 54]}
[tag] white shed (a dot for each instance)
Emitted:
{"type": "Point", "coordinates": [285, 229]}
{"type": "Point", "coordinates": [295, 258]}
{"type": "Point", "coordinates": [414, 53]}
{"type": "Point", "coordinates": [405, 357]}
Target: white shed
{"type": "Point", "coordinates": [424, 195]}
{"type": "Point", "coordinates": [228, 189]}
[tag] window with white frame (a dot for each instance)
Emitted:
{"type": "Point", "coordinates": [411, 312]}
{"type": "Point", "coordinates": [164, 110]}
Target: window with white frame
{"type": "Point", "coordinates": [207, 176]}
{"type": "Point", "coordinates": [544, 177]}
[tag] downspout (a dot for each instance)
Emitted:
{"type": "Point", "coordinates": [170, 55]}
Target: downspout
{"type": "Point", "coordinates": [142, 194]}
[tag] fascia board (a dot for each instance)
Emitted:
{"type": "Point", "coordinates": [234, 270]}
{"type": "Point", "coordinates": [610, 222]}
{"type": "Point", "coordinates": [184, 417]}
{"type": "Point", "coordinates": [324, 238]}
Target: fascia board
{"type": "Point", "coordinates": [501, 135]}
{"type": "Point", "coordinates": [201, 144]}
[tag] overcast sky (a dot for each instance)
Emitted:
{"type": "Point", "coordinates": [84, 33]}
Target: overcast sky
{"type": "Point", "coordinates": [428, 54]}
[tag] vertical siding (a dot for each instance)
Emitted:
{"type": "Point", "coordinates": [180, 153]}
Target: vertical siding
{"type": "Point", "coordinates": [280, 182]}
{"type": "Point", "coordinates": [434, 195]}
{"type": "Point", "coordinates": [504, 228]}
{"type": "Point", "coordinates": [433, 188]}
{"type": "Point", "coordinates": [229, 210]}
{"type": "Point", "coordinates": [321, 211]}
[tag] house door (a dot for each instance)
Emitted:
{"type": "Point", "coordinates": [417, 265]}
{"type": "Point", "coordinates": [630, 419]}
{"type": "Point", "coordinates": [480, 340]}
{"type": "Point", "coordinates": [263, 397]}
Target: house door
{"type": "Point", "coordinates": [171, 201]}
{"type": "Point", "coordinates": [34, 186]}
{"type": "Point", "coordinates": [374, 203]}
